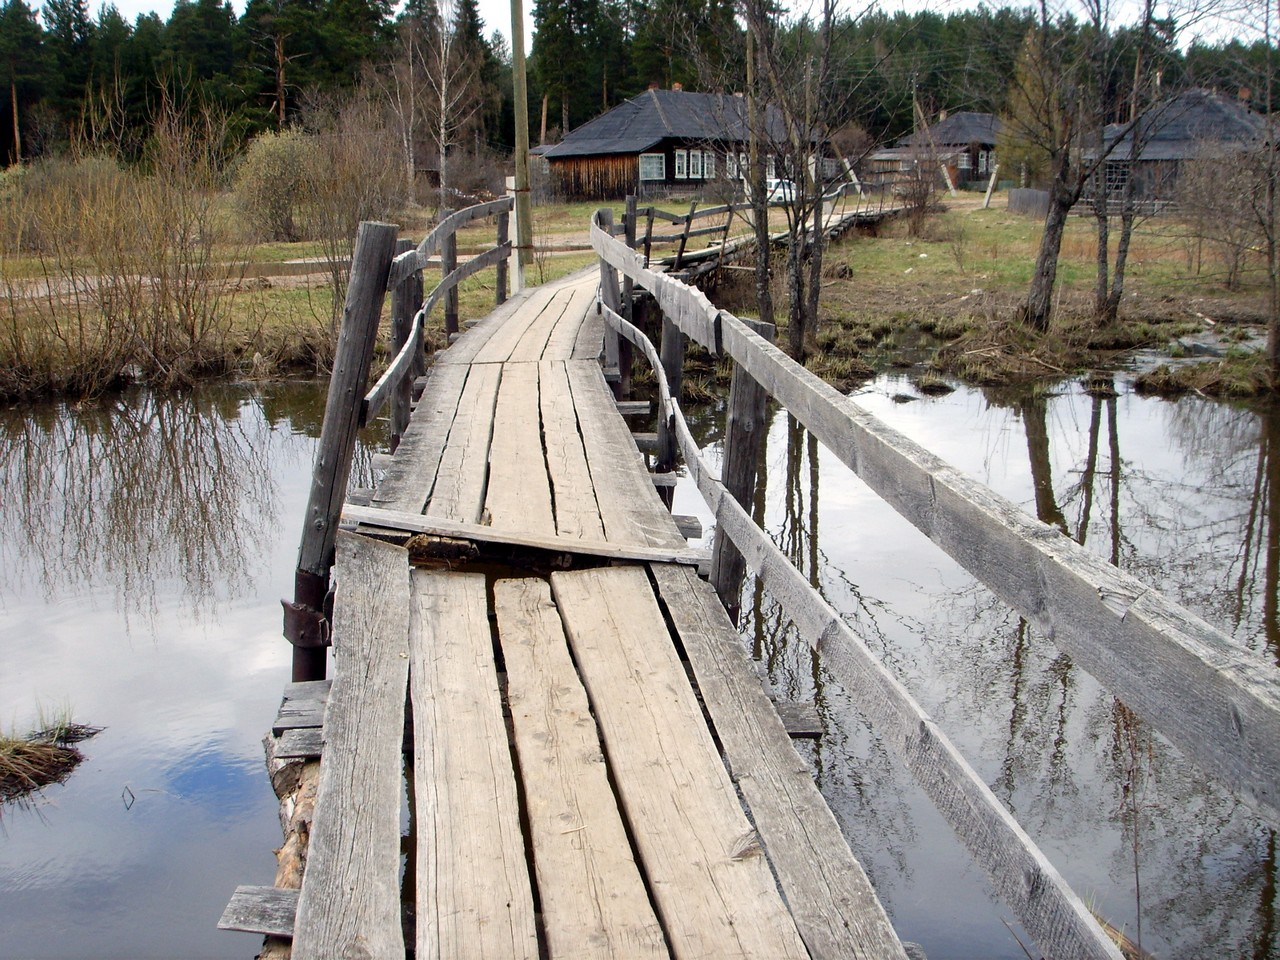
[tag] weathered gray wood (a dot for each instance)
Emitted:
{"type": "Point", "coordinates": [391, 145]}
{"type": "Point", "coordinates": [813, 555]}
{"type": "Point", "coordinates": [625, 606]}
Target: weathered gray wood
{"type": "Point", "coordinates": [416, 260]}
{"type": "Point", "coordinates": [631, 510]}
{"type": "Point", "coordinates": [397, 380]}
{"type": "Point", "coordinates": [519, 494]}
{"type": "Point", "coordinates": [1025, 880]}
{"type": "Point", "coordinates": [576, 512]}
{"type": "Point", "coordinates": [589, 344]}
{"type": "Point", "coordinates": [800, 718]}
{"type": "Point", "coordinates": [374, 249]}
{"type": "Point", "coordinates": [563, 341]}
{"type": "Point", "coordinates": [376, 518]}
{"type": "Point", "coordinates": [472, 340]}
{"type": "Point", "coordinates": [301, 743]}
{"type": "Point", "coordinates": [690, 527]}
{"type": "Point", "coordinates": [745, 427]}
{"type": "Point", "coordinates": [406, 299]}
{"type": "Point", "coordinates": [350, 900]}
{"type": "Point", "coordinates": [610, 295]}
{"type": "Point", "coordinates": [461, 481]}
{"type": "Point", "coordinates": [593, 899]}
{"type": "Point", "coordinates": [710, 885]}
{"type": "Point", "coordinates": [504, 340]}
{"type": "Point", "coordinates": [634, 408]}
{"type": "Point", "coordinates": [473, 892]}
{"type": "Point", "coordinates": [832, 901]}
{"type": "Point", "coordinates": [266, 910]}
{"type": "Point", "coordinates": [412, 471]}
{"type": "Point", "coordinates": [500, 295]}
{"type": "Point", "coordinates": [684, 237]}
{"type": "Point", "coordinates": [672, 354]}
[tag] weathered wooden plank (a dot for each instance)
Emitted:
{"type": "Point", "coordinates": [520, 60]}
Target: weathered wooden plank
{"type": "Point", "coordinates": [576, 512]}
{"type": "Point", "coordinates": [1219, 704]}
{"type": "Point", "coordinates": [350, 900]}
{"type": "Point", "coordinates": [631, 510]}
{"type": "Point", "coordinates": [590, 342]}
{"type": "Point", "coordinates": [533, 342]}
{"type": "Point", "coordinates": [519, 494]}
{"type": "Point", "coordinates": [401, 366]}
{"type": "Point", "coordinates": [403, 522]}
{"type": "Point", "coordinates": [473, 892]}
{"type": "Point", "coordinates": [800, 718]}
{"type": "Point", "coordinates": [267, 910]}
{"type": "Point", "coordinates": [301, 743]}
{"type": "Point", "coordinates": [593, 899]}
{"type": "Point", "coordinates": [563, 341]}
{"type": "Point", "coordinates": [710, 884]}
{"type": "Point", "coordinates": [507, 337]}
{"type": "Point", "coordinates": [833, 903]}
{"type": "Point", "coordinates": [296, 714]}
{"type": "Point", "coordinates": [412, 471]}
{"type": "Point", "coordinates": [461, 481]}
{"type": "Point", "coordinates": [1023, 877]}
{"type": "Point", "coordinates": [474, 338]}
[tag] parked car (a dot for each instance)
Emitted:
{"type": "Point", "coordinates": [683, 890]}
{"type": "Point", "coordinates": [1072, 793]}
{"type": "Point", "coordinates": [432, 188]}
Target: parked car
{"type": "Point", "coordinates": [780, 191]}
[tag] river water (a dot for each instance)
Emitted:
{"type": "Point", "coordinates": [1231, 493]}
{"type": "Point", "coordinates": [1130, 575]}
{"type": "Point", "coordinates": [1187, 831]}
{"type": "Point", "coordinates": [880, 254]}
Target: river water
{"type": "Point", "coordinates": [145, 543]}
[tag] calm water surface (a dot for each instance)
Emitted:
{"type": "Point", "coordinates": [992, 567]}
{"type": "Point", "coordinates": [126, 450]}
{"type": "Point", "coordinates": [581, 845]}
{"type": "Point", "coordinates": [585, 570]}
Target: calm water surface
{"type": "Point", "coordinates": [145, 543]}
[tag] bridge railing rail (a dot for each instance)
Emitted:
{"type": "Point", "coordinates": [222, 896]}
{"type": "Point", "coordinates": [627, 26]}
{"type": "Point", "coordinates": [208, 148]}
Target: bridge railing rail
{"type": "Point", "coordinates": [1217, 703]}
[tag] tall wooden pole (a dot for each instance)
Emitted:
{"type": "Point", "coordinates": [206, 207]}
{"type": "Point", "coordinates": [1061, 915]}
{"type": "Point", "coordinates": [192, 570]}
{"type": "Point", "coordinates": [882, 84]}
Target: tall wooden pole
{"type": "Point", "coordinates": [304, 623]}
{"type": "Point", "coordinates": [524, 209]}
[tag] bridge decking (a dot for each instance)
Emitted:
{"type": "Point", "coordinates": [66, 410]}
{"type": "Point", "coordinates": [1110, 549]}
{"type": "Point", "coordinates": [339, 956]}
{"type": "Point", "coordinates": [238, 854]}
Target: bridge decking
{"type": "Point", "coordinates": [592, 766]}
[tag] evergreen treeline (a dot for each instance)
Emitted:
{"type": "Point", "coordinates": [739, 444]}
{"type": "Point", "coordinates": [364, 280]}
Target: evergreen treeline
{"type": "Point", "coordinates": [69, 75]}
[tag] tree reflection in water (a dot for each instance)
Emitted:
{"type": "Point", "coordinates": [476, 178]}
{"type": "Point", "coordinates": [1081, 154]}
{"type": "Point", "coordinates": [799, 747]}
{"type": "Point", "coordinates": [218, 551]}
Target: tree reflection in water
{"type": "Point", "coordinates": [1189, 501]}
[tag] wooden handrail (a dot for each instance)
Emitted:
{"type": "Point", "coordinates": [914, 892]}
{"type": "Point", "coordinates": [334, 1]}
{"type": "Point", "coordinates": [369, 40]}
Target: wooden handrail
{"type": "Point", "coordinates": [1217, 703]}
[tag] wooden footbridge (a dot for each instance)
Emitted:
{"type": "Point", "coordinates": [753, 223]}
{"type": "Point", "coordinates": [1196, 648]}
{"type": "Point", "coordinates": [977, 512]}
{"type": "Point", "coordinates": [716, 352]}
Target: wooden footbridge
{"type": "Point", "coordinates": [543, 736]}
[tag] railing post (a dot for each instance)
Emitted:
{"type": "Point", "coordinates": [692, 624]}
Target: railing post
{"type": "Point", "coordinates": [406, 300]}
{"type": "Point", "coordinates": [304, 623]}
{"type": "Point", "coordinates": [448, 264]}
{"type": "Point", "coordinates": [684, 238]}
{"type": "Point", "coordinates": [671, 352]}
{"type": "Point", "coordinates": [743, 436]}
{"type": "Point", "coordinates": [612, 299]}
{"type": "Point", "coordinates": [504, 220]}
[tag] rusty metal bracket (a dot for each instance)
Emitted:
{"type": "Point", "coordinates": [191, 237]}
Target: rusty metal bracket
{"type": "Point", "coordinates": [305, 626]}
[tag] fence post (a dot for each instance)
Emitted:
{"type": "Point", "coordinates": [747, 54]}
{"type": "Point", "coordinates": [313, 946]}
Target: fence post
{"type": "Point", "coordinates": [684, 237]}
{"type": "Point", "coordinates": [448, 264]}
{"type": "Point", "coordinates": [743, 437]}
{"type": "Point", "coordinates": [406, 300]}
{"type": "Point", "coordinates": [504, 221]}
{"type": "Point", "coordinates": [671, 352]}
{"type": "Point", "coordinates": [304, 623]}
{"type": "Point", "coordinates": [612, 299]}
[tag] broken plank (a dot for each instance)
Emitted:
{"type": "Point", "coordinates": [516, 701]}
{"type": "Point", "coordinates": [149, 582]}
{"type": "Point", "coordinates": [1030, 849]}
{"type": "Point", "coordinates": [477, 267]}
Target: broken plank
{"type": "Point", "coordinates": [374, 520]}
{"type": "Point", "coordinates": [350, 898]}
{"type": "Point", "coordinates": [563, 341]}
{"type": "Point", "coordinates": [593, 899]}
{"type": "Point", "coordinates": [576, 512]}
{"type": "Point", "coordinates": [834, 905]}
{"type": "Point", "coordinates": [301, 744]}
{"type": "Point", "coordinates": [473, 893]}
{"type": "Point", "coordinates": [709, 881]}
{"type": "Point", "coordinates": [270, 911]}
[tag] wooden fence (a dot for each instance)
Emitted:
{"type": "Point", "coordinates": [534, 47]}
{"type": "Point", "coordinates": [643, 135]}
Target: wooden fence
{"type": "Point", "coordinates": [378, 264]}
{"type": "Point", "coordinates": [1218, 704]}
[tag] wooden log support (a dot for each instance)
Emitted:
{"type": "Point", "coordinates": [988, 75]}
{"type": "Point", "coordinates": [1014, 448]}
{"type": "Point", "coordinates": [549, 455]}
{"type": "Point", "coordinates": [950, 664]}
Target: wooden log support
{"type": "Point", "coordinates": [744, 431]}
{"type": "Point", "coordinates": [504, 227]}
{"type": "Point", "coordinates": [611, 296]}
{"type": "Point", "coordinates": [370, 265]}
{"type": "Point", "coordinates": [406, 300]}
{"type": "Point", "coordinates": [684, 237]}
{"type": "Point", "coordinates": [448, 264]}
{"type": "Point", "coordinates": [672, 355]}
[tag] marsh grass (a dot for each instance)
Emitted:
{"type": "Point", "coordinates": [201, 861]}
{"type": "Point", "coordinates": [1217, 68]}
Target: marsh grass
{"type": "Point", "coordinates": [46, 756]}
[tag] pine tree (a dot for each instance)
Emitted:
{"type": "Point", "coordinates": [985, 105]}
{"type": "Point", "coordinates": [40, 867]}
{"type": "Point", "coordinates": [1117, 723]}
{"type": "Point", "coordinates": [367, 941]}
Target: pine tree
{"type": "Point", "coordinates": [23, 58]}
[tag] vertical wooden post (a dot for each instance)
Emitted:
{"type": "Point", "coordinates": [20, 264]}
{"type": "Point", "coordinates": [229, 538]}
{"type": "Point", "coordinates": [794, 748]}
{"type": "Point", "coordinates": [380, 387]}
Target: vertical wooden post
{"type": "Point", "coordinates": [684, 237]}
{"type": "Point", "coordinates": [648, 235]}
{"type": "Point", "coordinates": [304, 623]}
{"type": "Point", "coordinates": [504, 220]}
{"type": "Point", "coordinates": [671, 352]}
{"type": "Point", "coordinates": [991, 185]}
{"type": "Point", "coordinates": [612, 298]}
{"type": "Point", "coordinates": [448, 264]}
{"type": "Point", "coordinates": [744, 435]}
{"type": "Point", "coordinates": [406, 300]}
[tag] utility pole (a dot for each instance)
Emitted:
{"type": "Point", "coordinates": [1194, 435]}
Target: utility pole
{"type": "Point", "coordinates": [524, 209]}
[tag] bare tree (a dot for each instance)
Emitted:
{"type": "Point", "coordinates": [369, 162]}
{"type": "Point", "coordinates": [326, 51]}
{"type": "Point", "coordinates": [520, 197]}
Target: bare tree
{"type": "Point", "coordinates": [452, 77]}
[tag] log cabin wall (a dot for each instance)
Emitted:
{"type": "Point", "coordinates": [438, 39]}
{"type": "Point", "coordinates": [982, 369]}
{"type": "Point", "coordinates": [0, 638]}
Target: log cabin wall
{"type": "Point", "coordinates": [595, 178]}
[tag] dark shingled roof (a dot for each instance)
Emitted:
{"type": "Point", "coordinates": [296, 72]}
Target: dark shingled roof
{"type": "Point", "coordinates": [652, 117]}
{"type": "Point", "coordinates": [1193, 123]}
{"type": "Point", "coordinates": [958, 129]}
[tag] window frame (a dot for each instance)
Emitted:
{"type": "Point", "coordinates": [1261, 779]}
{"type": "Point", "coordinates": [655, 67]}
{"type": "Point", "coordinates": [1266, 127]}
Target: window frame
{"type": "Point", "coordinates": [682, 165]}
{"type": "Point", "coordinates": [661, 164]}
{"type": "Point", "coordinates": [695, 164]}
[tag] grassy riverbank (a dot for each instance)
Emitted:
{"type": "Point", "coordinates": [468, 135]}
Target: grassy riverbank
{"type": "Point", "coordinates": [87, 314]}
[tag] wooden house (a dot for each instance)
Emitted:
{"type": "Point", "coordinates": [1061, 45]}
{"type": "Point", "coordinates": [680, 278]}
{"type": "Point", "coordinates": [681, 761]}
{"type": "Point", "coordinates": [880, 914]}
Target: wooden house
{"type": "Point", "coordinates": [660, 142]}
{"type": "Point", "coordinates": [1196, 124]}
{"type": "Point", "coordinates": [964, 142]}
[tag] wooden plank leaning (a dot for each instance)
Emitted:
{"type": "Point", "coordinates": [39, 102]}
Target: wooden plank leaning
{"type": "Point", "coordinates": [473, 893]}
{"type": "Point", "coordinates": [593, 898]}
{"type": "Point", "coordinates": [350, 900]}
{"type": "Point", "coordinates": [375, 246]}
{"type": "Point", "coordinates": [833, 903]}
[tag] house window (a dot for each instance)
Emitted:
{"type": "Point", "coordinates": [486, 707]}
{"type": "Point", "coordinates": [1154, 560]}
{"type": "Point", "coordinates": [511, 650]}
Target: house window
{"type": "Point", "coordinates": [653, 166]}
{"type": "Point", "coordinates": [982, 161]}
{"type": "Point", "coordinates": [731, 166]}
{"type": "Point", "coordinates": [695, 164]}
{"type": "Point", "coordinates": [682, 169]}
{"type": "Point", "coordinates": [770, 170]}
{"type": "Point", "coordinates": [964, 161]}
{"type": "Point", "coordinates": [709, 165]}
